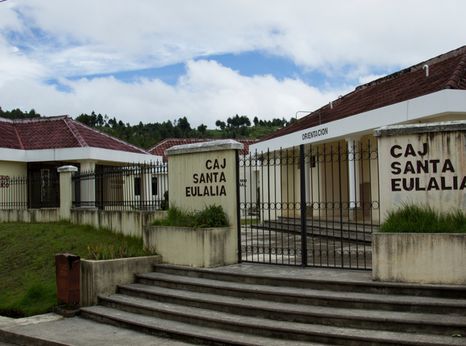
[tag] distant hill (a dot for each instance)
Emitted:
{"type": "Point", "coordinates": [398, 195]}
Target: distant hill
{"type": "Point", "coordinates": [147, 135]}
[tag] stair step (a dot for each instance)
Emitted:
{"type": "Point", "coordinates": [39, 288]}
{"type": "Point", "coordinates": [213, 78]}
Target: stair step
{"type": "Point", "coordinates": [363, 285]}
{"type": "Point", "coordinates": [370, 319]}
{"type": "Point", "coordinates": [353, 300]}
{"type": "Point", "coordinates": [251, 325]}
{"type": "Point", "coordinates": [353, 235]}
{"type": "Point", "coordinates": [179, 330]}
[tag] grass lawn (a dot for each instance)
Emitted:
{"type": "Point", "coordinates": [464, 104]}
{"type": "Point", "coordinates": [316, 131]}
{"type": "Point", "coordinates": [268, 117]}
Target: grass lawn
{"type": "Point", "coordinates": [27, 262]}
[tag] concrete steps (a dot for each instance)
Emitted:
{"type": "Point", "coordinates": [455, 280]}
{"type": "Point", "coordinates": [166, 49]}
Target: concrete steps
{"type": "Point", "coordinates": [216, 307]}
{"type": "Point", "coordinates": [331, 230]}
{"type": "Point", "coordinates": [306, 296]}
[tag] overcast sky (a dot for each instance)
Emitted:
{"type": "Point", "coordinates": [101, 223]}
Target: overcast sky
{"type": "Point", "coordinates": [150, 61]}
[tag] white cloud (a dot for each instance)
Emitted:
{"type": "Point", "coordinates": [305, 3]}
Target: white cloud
{"type": "Point", "coordinates": [15, 65]}
{"type": "Point", "coordinates": [113, 34]}
{"type": "Point", "coordinates": [338, 37]}
{"type": "Point", "coordinates": [207, 92]}
{"type": "Point", "coordinates": [369, 78]}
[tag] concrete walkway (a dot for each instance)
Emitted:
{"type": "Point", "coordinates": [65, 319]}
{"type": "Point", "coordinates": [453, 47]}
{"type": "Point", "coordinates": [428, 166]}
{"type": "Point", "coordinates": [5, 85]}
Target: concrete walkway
{"type": "Point", "coordinates": [53, 330]}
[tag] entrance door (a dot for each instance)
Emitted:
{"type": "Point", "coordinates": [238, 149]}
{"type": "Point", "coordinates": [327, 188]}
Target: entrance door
{"type": "Point", "coordinates": [43, 186]}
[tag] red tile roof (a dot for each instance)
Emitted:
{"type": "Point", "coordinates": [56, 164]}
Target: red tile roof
{"type": "Point", "coordinates": [446, 71]}
{"type": "Point", "coordinates": [167, 143]}
{"type": "Point", "coordinates": [57, 132]}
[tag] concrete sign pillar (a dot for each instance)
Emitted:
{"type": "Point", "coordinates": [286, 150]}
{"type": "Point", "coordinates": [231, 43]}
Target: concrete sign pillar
{"type": "Point", "coordinates": [204, 174]}
{"type": "Point", "coordinates": [66, 192]}
{"type": "Point", "coordinates": [423, 164]}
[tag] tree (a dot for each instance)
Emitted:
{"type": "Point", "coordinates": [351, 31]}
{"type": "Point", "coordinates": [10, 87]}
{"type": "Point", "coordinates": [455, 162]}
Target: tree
{"type": "Point", "coordinates": [202, 129]}
{"type": "Point", "coordinates": [183, 125]}
{"type": "Point", "coordinates": [220, 124]}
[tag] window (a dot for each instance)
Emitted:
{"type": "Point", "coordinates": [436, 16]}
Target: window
{"type": "Point", "coordinates": [154, 186]}
{"type": "Point", "coordinates": [137, 186]}
{"type": "Point", "coordinates": [313, 161]}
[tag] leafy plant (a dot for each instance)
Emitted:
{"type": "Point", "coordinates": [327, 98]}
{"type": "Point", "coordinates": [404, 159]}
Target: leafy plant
{"type": "Point", "coordinates": [424, 219]}
{"type": "Point", "coordinates": [112, 251]}
{"type": "Point", "coordinates": [210, 216]}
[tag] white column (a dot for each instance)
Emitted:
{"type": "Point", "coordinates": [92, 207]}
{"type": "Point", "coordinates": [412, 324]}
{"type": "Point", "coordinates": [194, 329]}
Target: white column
{"type": "Point", "coordinates": [353, 173]}
{"type": "Point", "coordinates": [66, 194]}
{"type": "Point", "coordinates": [146, 187]}
{"type": "Point", "coordinates": [88, 185]}
{"type": "Point", "coordinates": [307, 176]}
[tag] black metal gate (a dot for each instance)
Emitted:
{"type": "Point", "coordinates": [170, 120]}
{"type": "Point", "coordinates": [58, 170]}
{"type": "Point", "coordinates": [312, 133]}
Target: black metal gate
{"type": "Point", "coordinates": [313, 205]}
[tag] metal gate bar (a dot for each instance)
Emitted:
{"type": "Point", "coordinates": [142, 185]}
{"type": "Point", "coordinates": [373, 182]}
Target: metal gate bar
{"type": "Point", "coordinates": [313, 205]}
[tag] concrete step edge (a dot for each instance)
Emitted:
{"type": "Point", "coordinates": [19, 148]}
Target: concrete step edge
{"type": "Point", "coordinates": [370, 298]}
{"type": "Point", "coordinates": [203, 333]}
{"type": "Point", "coordinates": [337, 333]}
{"type": "Point", "coordinates": [291, 281]}
{"type": "Point", "coordinates": [383, 317]}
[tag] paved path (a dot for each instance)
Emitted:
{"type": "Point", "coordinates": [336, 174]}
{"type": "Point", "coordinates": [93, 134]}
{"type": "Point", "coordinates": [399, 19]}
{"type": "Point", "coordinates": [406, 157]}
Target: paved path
{"type": "Point", "coordinates": [74, 331]}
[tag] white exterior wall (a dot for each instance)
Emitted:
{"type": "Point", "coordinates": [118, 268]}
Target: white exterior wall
{"type": "Point", "coordinates": [13, 187]}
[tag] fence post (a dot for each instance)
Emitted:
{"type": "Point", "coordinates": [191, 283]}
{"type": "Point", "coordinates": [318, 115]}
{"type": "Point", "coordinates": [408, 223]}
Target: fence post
{"type": "Point", "coordinates": [66, 192]}
{"type": "Point", "coordinates": [303, 188]}
{"type": "Point", "coordinates": [238, 207]}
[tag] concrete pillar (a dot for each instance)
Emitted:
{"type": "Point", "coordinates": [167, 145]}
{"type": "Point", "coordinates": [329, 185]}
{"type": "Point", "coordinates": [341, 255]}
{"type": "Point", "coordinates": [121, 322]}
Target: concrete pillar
{"type": "Point", "coordinates": [146, 187]}
{"type": "Point", "coordinates": [204, 174]}
{"type": "Point", "coordinates": [87, 185]}
{"type": "Point", "coordinates": [422, 164]}
{"type": "Point", "coordinates": [307, 176]}
{"type": "Point", "coordinates": [353, 175]}
{"type": "Point", "coordinates": [66, 190]}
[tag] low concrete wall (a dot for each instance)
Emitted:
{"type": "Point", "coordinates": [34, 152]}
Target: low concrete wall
{"type": "Point", "coordinates": [203, 247]}
{"type": "Point", "coordinates": [125, 222]}
{"type": "Point", "coordinates": [102, 277]}
{"type": "Point", "coordinates": [30, 215]}
{"type": "Point", "coordinates": [428, 258]}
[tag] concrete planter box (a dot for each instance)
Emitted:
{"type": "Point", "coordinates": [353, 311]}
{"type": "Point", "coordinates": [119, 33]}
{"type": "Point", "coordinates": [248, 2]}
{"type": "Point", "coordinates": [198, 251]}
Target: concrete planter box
{"type": "Point", "coordinates": [194, 247]}
{"type": "Point", "coordinates": [427, 258]}
{"type": "Point", "coordinates": [102, 277]}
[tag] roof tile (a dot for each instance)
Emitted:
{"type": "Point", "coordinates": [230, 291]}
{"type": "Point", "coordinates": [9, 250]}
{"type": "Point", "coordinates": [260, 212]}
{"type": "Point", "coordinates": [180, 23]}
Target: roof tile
{"type": "Point", "coordinates": [57, 132]}
{"type": "Point", "coordinates": [167, 143]}
{"type": "Point", "coordinates": [447, 71]}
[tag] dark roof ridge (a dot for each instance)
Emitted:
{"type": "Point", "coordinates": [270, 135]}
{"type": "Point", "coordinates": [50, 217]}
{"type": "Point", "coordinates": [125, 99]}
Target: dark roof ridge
{"type": "Point", "coordinates": [142, 151]}
{"type": "Point", "coordinates": [40, 119]}
{"type": "Point", "coordinates": [418, 66]}
{"type": "Point", "coordinates": [162, 142]}
{"type": "Point", "coordinates": [71, 126]}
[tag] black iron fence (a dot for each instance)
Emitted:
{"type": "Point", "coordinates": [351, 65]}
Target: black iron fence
{"type": "Point", "coordinates": [131, 187]}
{"type": "Point", "coordinates": [311, 205]}
{"type": "Point", "coordinates": [37, 190]}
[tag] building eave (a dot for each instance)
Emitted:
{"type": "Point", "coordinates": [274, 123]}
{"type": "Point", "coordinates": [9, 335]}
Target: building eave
{"type": "Point", "coordinates": [75, 154]}
{"type": "Point", "coordinates": [446, 101]}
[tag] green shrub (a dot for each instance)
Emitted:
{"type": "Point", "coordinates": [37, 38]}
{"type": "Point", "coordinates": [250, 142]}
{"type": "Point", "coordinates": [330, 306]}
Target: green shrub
{"type": "Point", "coordinates": [112, 251]}
{"type": "Point", "coordinates": [424, 219]}
{"type": "Point", "coordinates": [210, 216]}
